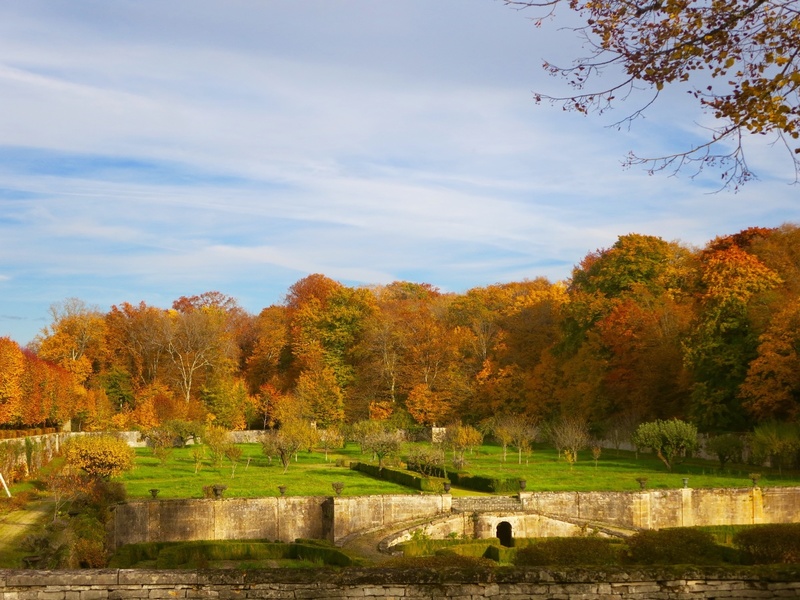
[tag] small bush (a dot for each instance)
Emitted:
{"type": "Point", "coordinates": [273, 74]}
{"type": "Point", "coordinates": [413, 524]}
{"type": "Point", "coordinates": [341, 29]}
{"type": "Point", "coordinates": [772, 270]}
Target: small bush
{"type": "Point", "coordinates": [428, 547]}
{"type": "Point", "coordinates": [568, 551]}
{"type": "Point", "coordinates": [101, 456]}
{"type": "Point", "coordinates": [172, 555]}
{"type": "Point", "coordinates": [475, 549]}
{"type": "Point", "coordinates": [440, 562]}
{"type": "Point", "coordinates": [770, 544]}
{"type": "Point", "coordinates": [677, 546]}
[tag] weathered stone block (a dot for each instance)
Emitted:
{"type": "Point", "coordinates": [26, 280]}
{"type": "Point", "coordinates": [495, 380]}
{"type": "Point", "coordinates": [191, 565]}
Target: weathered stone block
{"type": "Point", "coordinates": [99, 594]}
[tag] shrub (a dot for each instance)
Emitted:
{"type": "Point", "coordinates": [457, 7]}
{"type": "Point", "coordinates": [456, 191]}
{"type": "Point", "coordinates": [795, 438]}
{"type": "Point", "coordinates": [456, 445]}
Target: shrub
{"type": "Point", "coordinates": [770, 544]}
{"type": "Point", "coordinates": [101, 456]}
{"type": "Point", "coordinates": [675, 546]}
{"type": "Point", "coordinates": [440, 561]}
{"type": "Point", "coordinates": [727, 447]}
{"type": "Point", "coordinates": [171, 555]}
{"type": "Point", "coordinates": [568, 551]}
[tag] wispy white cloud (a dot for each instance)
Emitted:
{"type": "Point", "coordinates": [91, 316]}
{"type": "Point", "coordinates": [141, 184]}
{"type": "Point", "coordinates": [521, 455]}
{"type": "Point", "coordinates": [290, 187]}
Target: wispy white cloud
{"type": "Point", "coordinates": [150, 150]}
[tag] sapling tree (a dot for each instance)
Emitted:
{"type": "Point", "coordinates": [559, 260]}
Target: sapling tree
{"type": "Point", "coordinates": [570, 435]}
{"type": "Point", "coordinates": [384, 444]}
{"type": "Point", "coordinates": [329, 439]}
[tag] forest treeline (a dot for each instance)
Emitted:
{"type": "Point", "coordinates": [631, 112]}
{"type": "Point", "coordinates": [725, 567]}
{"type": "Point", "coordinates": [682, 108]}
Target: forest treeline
{"type": "Point", "coordinates": [645, 329]}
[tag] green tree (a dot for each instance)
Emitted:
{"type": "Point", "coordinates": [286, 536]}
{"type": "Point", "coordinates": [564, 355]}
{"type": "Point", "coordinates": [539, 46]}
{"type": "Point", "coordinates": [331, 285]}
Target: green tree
{"type": "Point", "coordinates": [667, 439]}
{"type": "Point", "coordinates": [727, 448]}
{"type": "Point", "coordinates": [775, 441]}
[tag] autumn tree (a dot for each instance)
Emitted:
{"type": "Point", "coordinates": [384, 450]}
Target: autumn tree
{"type": "Point", "coordinates": [199, 344]}
{"type": "Point", "coordinates": [266, 363]}
{"type": "Point", "coordinates": [12, 366]}
{"type": "Point", "coordinates": [771, 389]}
{"type": "Point", "coordinates": [101, 456]}
{"type": "Point", "coordinates": [460, 438]}
{"type": "Point", "coordinates": [319, 391]}
{"type": "Point", "coordinates": [736, 57]}
{"type": "Point", "coordinates": [75, 339]}
{"type": "Point", "coordinates": [137, 338]}
{"type": "Point", "coordinates": [265, 405]}
{"type": "Point", "coordinates": [426, 406]}
{"type": "Point", "coordinates": [286, 441]}
{"type": "Point", "coordinates": [724, 340]}
{"type": "Point", "coordinates": [512, 429]}
{"type": "Point", "coordinates": [228, 400]}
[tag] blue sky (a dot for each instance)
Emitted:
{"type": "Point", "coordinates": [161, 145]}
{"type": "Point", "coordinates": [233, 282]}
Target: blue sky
{"type": "Point", "coordinates": [154, 149]}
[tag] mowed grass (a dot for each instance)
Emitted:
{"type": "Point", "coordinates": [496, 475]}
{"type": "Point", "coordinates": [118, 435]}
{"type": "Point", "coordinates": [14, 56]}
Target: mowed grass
{"type": "Point", "coordinates": [310, 475]}
{"type": "Point", "coordinates": [543, 469]}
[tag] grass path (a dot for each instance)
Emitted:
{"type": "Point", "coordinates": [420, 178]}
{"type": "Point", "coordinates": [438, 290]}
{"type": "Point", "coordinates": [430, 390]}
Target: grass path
{"type": "Point", "coordinates": [17, 524]}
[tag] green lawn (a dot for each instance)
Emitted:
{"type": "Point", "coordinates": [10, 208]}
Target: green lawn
{"type": "Point", "coordinates": [311, 475]}
{"type": "Point", "coordinates": [543, 470]}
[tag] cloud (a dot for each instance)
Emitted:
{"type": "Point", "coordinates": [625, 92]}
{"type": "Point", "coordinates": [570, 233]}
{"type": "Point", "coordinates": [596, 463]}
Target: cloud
{"type": "Point", "coordinates": [150, 150]}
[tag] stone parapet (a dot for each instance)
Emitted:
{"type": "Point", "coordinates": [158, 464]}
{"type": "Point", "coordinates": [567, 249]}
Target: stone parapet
{"type": "Point", "coordinates": [386, 584]}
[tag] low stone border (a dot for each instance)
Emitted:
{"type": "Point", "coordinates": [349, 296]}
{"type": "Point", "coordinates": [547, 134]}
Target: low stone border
{"type": "Point", "coordinates": [384, 584]}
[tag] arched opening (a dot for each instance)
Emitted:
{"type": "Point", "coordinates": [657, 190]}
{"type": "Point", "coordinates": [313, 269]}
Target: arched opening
{"type": "Point", "coordinates": [504, 534]}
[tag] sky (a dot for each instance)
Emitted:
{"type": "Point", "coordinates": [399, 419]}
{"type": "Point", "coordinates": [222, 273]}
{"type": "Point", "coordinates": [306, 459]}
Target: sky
{"type": "Point", "coordinates": [152, 149]}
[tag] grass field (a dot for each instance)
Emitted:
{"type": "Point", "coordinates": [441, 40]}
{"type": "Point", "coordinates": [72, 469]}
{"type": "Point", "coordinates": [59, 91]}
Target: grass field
{"type": "Point", "coordinates": [311, 475]}
{"type": "Point", "coordinates": [542, 469]}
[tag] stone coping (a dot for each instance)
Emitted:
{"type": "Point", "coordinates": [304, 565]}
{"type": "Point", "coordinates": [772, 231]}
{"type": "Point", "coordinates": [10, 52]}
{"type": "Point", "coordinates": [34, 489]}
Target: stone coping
{"type": "Point", "coordinates": [383, 575]}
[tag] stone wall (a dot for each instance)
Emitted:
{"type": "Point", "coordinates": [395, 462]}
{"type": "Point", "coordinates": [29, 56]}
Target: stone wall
{"type": "Point", "coordinates": [484, 525]}
{"type": "Point", "coordinates": [653, 509]}
{"type": "Point", "coordinates": [284, 519]}
{"type": "Point", "coordinates": [386, 584]}
{"type": "Point", "coordinates": [340, 517]}
{"type": "Point", "coordinates": [359, 514]}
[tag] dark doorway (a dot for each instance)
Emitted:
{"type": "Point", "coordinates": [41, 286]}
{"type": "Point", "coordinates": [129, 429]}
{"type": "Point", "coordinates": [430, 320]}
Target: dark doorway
{"type": "Point", "coordinates": [505, 535]}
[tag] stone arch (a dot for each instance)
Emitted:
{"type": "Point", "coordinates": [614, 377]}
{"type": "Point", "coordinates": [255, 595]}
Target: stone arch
{"type": "Point", "coordinates": [505, 533]}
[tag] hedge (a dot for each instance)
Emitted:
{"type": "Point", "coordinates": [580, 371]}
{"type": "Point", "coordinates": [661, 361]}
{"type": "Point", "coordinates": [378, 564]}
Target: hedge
{"type": "Point", "coordinates": [770, 544]}
{"type": "Point", "coordinates": [569, 551]}
{"type": "Point", "coordinates": [674, 546]}
{"type": "Point", "coordinates": [172, 555]}
{"type": "Point", "coordinates": [401, 476]}
{"type": "Point", "coordinates": [478, 483]}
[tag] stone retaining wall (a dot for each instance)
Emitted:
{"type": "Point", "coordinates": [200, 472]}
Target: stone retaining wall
{"type": "Point", "coordinates": [337, 518]}
{"type": "Point", "coordinates": [386, 584]}
{"type": "Point", "coordinates": [283, 519]}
